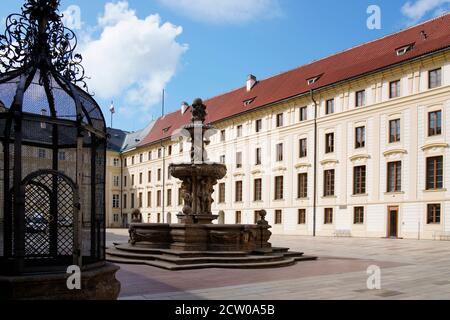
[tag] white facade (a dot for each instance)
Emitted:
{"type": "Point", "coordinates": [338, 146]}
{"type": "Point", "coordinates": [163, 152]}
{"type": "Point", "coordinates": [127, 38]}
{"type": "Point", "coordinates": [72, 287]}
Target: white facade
{"type": "Point", "coordinates": [412, 108]}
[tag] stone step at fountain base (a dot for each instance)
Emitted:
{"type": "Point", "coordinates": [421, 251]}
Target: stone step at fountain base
{"type": "Point", "coordinates": [178, 260]}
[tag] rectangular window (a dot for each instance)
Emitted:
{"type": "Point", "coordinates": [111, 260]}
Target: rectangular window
{"type": "Point", "coordinates": [328, 216]}
{"type": "Point", "coordinates": [238, 160]}
{"type": "Point", "coordinates": [329, 143]}
{"type": "Point", "coordinates": [302, 182]}
{"type": "Point", "coordinates": [435, 78]}
{"type": "Point", "coordinates": [181, 146]}
{"type": "Point", "coordinates": [116, 181]}
{"type": "Point", "coordinates": [116, 162]}
{"type": "Point", "coordinates": [42, 154]}
{"type": "Point", "coordinates": [124, 201]}
{"type": "Point", "coordinates": [149, 199]}
{"type": "Point", "coordinates": [158, 198]}
{"type": "Point", "coordinates": [258, 156]}
{"type": "Point", "coordinates": [278, 217]}
{"type": "Point", "coordinates": [158, 219]}
{"type": "Point", "coordinates": [256, 217]}
{"type": "Point", "coordinates": [279, 188]}
{"type": "Point", "coordinates": [169, 151]}
{"type": "Point", "coordinates": [358, 215]}
{"type": "Point", "coordinates": [257, 190]}
{"type": "Point", "coordinates": [279, 152]}
{"type": "Point", "coordinates": [359, 180]}
{"type": "Point", "coordinates": [140, 178]}
{"type": "Point", "coordinates": [116, 217]}
{"type": "Point", "coordinates": [329, 106]}
{"type": "Point", "coordinates": [258, 125]}
{"type": "Point", "coordinates": [238, 217]}
{"type": "Point", "coordinates": [61, 156]}
{"type": "Point", "coordinates": [222, 193]}
{"type": "Point", "coordinates": [360, 98]}
{"type": "Point", "coordinates": [124, 181]}
{"type": "Point", "coordinates": [394, 180]}
{"type": "Point", "coordinates": [141, 158]}
{"type": "Point", "coordinates": [434, 214]}
{"type": "Point", "coordinates": [180, 196]}
{"type": "Point", "coordinates": [238, 191]}
{"type": "Point", "coordinates": [280, 119]}
{"type": "Point", "coordinates": [435, 173]}
{"type": "Point", "coordinates": [149, 155]}
{"type": "Point", "coordinates": [303, 113]}
{"type": "Point", "coordinates": [132, 160]}
{"type": "Point", "coordinates": [132, 200]}
{"type": "Point", "coordinates": [115, 201]}
{"type": "Point", "coordinates": [394, 131]}
{"type": "Point", "coordinates": [159, 174]}
{"type": "Point", "coordinates": [394, 89]}
{"type": "Point", "coordinates": [132, 180]}
{"type": "Point", "coordinates": [301, 216]}
{"type": "Point", "coordinates": [140, 200]}
{"type": "Point", "coordinates": [159, 153]}
{"type": "Point", "coordinates": [222, 135]}
{"type": "Point", "coordinates": [169, 197]}
{"type": "Point", "coordinates": [434, 123]}
{"type": "Point", "coordinates": [303, 148]}
{"type": "Point", "coordinates": [222, 159]}
{"type": "Point", "coordinates": [149, 177]}
{"type": "Point", "coordinates": [239, 131]}
{"type": "Point", "coordinates": [360, 137]}
{"type": "Point", "coordinates": [328, 183]}
{"type": "Point", "coordinates": [125, 162]}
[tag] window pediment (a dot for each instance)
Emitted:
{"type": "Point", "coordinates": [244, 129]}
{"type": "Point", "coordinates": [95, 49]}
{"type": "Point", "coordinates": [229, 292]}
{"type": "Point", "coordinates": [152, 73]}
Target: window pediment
{"type": "Point", "coordinates": [435, 146]}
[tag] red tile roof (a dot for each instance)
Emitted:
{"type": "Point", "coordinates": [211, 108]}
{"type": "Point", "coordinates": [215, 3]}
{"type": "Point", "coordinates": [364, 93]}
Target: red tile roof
{"type": "Point", "coordinates": [345, 65]}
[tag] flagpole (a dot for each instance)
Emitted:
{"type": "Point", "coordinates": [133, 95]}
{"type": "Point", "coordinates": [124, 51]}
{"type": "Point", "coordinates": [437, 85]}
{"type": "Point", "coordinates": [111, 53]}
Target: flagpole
{"type": "Point", "coordinates": [112, 109]}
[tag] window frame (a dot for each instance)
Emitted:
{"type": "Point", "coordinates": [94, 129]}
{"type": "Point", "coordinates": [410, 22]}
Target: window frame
{"type": "Point", "coordinates": [438, 82]}
{"type": "Point", "coordinates": [279, 188]}
{"type": "Point", "coordinates": [328, 216]}
{"type": "Point", "coordinates": [329, 142]}
{"type": "Point", "coordinates": [329, 183]}
{"type": "Point", "coordinates": [359, 180]}
{"type": "Point", "coordinates": [436, 129]}
{"type": "Point", "coordinates": [358, 215]}
{"type": "Point", "coordinates": [302, 185]}
{"type": "Point", "coordinates": [329, 106]}
{"type": "Point", "coordinates": [360, 98]}
{"type": "Point", "coordinates": [435, 216]}
{"type": "Point", "coordinates": [397, 179]}
{"type": "Point", "coordinates": [395, 89]}
{"type": "Point", "coordinates": [360, 137]}
{"type": "Point", "coordinates": [303, 148]}
{"type": "Point", "coordinates": [434, 183]}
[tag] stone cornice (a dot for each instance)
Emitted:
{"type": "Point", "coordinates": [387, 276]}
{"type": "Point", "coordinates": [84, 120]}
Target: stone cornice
{"type": "Point", "coordinates": [394, 151]}
{"type": "Point", "coordinates": [435, 145]}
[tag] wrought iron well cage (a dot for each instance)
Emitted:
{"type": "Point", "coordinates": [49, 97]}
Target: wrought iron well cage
{"type": "Point", "coordinates": [53, 148]}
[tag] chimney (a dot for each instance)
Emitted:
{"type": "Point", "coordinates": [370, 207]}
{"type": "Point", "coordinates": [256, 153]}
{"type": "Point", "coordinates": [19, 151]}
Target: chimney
{"type": "Point", "coordinates": [184, 107]}
{"type": "Point", "coordinates": [251, 81]}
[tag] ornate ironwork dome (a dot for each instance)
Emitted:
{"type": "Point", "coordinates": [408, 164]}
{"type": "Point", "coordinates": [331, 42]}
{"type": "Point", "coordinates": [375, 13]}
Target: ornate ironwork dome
{"type": "Point", "coordinates": [53, 147]}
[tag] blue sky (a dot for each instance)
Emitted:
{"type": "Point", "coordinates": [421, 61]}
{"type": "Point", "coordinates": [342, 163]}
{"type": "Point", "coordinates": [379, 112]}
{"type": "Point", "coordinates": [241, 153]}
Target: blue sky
{"type": "Point", "coordinates": [201, 48]}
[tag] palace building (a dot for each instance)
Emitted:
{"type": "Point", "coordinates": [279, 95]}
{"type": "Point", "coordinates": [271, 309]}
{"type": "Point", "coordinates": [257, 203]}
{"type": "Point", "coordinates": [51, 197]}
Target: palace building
{"type": "Point", "coordinates": [354, 144]}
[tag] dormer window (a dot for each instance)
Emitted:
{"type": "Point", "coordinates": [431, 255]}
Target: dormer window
{"type": "Point", "coordinates": [401, 51]}
{"type": "Point", "coordinates": [249, 101]}
{"type": "Point", "coordinates": [313, 80]}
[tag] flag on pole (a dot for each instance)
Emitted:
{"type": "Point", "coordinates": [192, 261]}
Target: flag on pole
{"type": "Point", "coordinates": [112, 109]}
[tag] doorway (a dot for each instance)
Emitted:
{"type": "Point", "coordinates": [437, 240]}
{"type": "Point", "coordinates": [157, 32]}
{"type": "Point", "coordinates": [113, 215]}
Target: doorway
{"type": "Point", "coordinates": [393, 222]}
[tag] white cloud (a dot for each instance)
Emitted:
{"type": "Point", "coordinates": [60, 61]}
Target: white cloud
{"type": "Point", "coordinates": [224, 11]}
{"type": "Point", "coordinates": [414, 11]}
{"type": "Point", "coordinates": [131, 58]}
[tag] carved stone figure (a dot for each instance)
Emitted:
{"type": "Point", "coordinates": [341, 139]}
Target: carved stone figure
{"type": "Point", "coordinates": [198, 110]}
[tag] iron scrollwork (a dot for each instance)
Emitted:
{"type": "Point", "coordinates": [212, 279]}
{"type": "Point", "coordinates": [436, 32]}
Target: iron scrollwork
{"type": "Point", "coordinates": [38, 36]}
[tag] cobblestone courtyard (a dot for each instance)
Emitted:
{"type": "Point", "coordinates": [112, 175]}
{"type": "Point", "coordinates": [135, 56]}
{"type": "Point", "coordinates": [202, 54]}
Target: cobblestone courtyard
{"type": "Point", "coordinates": [410, 269]}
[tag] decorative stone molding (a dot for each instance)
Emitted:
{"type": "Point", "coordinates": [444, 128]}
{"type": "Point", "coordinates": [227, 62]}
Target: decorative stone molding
{"type": "Point", "coordinates": [434, 146]}
{"type": "Point", "coordinates": [359, 157]}
{"type": "Point", "coordinates": [302, 165]}
{"type": "Point", "coordinates": [279, 169]}
{"type": "Point", "coordinates": [329, 161]}
{"type": "Point", "coordinates": [238, 174]}
{"type": "Point", "coordinates": [257, 171]}
{"type": "Point", "coordinates": [394, 152]}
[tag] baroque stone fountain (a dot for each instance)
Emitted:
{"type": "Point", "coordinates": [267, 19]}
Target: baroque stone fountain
{"type": "Point", "coordinates": [195, 242]}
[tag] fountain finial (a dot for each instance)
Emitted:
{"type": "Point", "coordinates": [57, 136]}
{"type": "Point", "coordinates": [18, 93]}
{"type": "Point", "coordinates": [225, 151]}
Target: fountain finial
{"type": "Point", "coordinates": [198, 110]}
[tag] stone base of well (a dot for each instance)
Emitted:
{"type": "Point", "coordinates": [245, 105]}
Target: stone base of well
{"type": "Point", "coordinates": [96, 284]}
